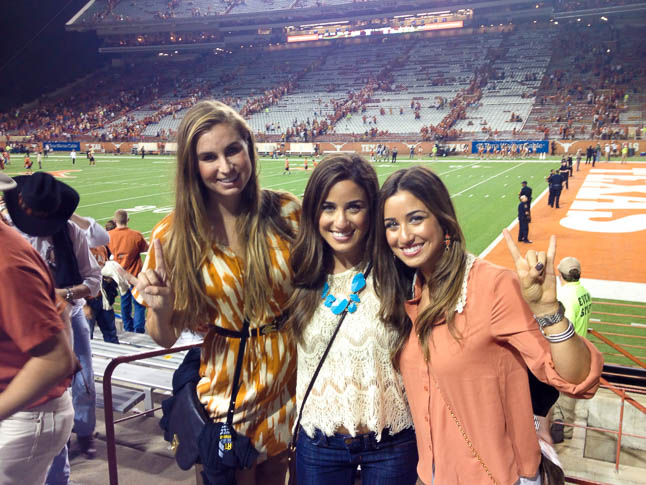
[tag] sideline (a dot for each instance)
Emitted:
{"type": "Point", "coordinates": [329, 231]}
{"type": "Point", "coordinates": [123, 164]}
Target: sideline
{"type": "Point", "coordinates": [612, 260]}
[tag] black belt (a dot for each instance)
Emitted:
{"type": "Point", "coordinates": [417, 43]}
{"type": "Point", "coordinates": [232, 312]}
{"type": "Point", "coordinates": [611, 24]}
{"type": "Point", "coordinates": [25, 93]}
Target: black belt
{"type": "Point", "coordinates": [274, 326]}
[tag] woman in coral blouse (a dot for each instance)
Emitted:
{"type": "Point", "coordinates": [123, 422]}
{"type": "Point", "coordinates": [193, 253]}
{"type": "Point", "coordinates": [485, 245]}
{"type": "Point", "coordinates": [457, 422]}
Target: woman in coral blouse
{"type": "Point", "coordinates": [477, 329]}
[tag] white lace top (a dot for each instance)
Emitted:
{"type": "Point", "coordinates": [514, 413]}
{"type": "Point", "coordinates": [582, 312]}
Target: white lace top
{"type": "Point", "coordinates": [357, 385]}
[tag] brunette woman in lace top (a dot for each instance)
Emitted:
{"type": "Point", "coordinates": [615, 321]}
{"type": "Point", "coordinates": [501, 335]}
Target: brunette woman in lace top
{"type": "Point", "coordinates": [357, 412]}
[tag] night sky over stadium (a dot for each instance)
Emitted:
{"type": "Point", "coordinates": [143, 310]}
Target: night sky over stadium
{"type": "Point", "coordinates": [37, 55]}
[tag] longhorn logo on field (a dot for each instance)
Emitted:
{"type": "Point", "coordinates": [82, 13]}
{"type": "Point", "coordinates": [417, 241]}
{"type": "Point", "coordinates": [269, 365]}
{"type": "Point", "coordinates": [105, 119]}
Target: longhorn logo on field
{"type": "Point", "coordinates": [63, 174]}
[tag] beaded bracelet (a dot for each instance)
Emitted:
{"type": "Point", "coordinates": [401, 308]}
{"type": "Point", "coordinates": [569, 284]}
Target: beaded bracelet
{"type": "Point", "coordinates": [560, 337]}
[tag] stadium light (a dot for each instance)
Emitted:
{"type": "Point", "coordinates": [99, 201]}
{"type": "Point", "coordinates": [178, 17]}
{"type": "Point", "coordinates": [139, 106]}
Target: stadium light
{"type": "Point", "coordinates": [604, 19]}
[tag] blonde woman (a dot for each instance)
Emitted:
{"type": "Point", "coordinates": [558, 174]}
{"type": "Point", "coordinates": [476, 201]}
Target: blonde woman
{"type": "Point", "coordinates": [222, 256]}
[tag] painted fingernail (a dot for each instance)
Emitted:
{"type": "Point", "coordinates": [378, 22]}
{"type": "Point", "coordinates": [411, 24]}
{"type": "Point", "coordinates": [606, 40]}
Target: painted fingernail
{"type": "Point", "coordinates": [539, 266]}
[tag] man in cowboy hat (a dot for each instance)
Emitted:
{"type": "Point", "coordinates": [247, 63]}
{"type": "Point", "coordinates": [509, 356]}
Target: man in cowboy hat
{"type": "Point", "coordinates": [41, 206]}
{"type": "Point", "coordinates": [36, 362]}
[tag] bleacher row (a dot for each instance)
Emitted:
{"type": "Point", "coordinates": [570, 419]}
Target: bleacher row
{"type": "Point", "coordinates": [531, 73]}
{"type": "Point", "coordinates": [111, 11]}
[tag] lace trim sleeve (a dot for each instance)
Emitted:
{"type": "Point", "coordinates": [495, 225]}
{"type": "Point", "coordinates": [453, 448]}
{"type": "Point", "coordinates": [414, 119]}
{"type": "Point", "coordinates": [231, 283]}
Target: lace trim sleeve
{"type": "Point", "coordinates": [462, 301]}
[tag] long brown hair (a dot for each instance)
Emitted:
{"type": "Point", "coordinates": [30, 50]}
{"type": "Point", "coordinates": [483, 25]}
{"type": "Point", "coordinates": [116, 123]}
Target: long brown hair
{"type": "Point", "coordinates": [312, 258]}
{"type": "Point", "coordinates": [190, 237]}
{"type": "Point", "coordinates": [445, 284]}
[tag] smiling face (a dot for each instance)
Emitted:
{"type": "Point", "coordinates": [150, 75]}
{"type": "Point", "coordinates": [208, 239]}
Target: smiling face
{"type": "Point", "coordinates": [413, 232]}
{"type": "Point", "coordinates": [223, 163]}
{"type": "Point", "coordinates": [344, 223]}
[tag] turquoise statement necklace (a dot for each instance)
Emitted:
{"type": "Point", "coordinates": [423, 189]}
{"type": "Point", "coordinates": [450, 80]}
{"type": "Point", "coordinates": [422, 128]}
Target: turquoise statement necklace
{"type": "Point", "coordinates": [358, 284]}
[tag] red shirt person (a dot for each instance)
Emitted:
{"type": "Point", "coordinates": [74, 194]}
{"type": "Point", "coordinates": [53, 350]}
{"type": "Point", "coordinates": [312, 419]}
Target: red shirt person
{"type": "Point", "coordinates": [126, 246]}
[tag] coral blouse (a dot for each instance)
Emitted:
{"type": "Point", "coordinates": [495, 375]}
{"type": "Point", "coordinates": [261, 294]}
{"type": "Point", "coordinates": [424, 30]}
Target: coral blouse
{"type": "Point", "coordinates": [483, 378]}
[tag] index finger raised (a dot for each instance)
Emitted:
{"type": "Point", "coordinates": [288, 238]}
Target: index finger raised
{"type": "Point", "coordinates": [160, 264]}
{"type": "Point", "coordinates": [130, 278]}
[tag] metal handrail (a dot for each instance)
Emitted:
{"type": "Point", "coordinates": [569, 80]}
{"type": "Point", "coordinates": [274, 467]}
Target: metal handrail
{"type": "Point", "coordinates": [107, 398]}
{"type": "Point", "coordinates": [619, 349]}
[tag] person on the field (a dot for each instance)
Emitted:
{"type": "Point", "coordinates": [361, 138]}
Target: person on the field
{"type": "Point", "coordinates": [555, 182]}
{"type": "Point", "coordinates": [526, 191]}
{"type": "Point", "coordinates": [524, 218]}
{"type": "Point", "coordinates": [564, 171]}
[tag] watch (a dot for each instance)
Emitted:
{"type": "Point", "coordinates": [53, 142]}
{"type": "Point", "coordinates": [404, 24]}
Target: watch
{"type": "Point", "coordinates": [547, 320]}
{"type": "Point", "coordinates": [69, 296]}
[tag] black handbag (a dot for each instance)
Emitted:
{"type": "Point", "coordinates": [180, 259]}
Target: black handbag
{"type": "Point", "coordinates": [193, 435]}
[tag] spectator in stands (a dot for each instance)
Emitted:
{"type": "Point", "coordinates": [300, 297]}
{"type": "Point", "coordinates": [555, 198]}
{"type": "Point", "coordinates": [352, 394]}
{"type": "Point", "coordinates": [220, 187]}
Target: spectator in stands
{"type": "Point", "coordinates": [36, 414]}
{"type": "Point", "coordinates": [348, 410]}
{"type": "Point", "coordinates": [471, 321]}
{"type": "Point", "coordinates": [220, 258]}
{"type": "Point", "coordinates": [41, 207]}
{"type": "Point", "coordinates": [126, 246]}
{"type": "Point", "coordinates": [577, 303]}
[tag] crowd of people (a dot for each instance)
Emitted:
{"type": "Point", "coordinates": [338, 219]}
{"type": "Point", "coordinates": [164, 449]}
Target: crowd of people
{"type": "Point", "coordinates": [583, 99]}
{"type": "Point", "coordinates": [270, 282]}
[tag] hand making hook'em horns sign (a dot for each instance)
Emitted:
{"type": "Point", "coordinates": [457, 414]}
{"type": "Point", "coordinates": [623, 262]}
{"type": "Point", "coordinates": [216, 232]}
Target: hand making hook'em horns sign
{"type": "Point", "coordinates": [536, 275]}
{"type": "Point", "coordinates": [153, 284]}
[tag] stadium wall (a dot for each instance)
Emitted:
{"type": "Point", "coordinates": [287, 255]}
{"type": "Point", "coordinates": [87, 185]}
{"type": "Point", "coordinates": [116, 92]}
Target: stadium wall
{"type": "Point", "coordinates": [421, 148]}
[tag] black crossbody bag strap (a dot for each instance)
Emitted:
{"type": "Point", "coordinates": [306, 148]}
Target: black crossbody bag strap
{"type": "Point", "coordinates": [292, 444]}
{"type": "Point", "coordinates": [238, 370]}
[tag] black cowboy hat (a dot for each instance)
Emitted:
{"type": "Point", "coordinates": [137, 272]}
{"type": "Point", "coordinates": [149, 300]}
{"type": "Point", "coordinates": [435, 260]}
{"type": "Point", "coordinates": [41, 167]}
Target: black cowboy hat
{"type": "Point", "coordinates": [6, 182]}
{"type": "Point", "coordinates": [40, 205]}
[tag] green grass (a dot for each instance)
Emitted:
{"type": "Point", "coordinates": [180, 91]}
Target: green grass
{"type": "Point", "coordinates": [631, 337]}
{"type": "Point", "coordinates": [484, 193]}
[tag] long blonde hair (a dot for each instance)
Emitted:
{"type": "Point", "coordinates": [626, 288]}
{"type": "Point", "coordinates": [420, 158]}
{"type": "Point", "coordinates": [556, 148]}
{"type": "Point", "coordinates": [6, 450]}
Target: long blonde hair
{"type": "Point", "coordinates": [190, 237]}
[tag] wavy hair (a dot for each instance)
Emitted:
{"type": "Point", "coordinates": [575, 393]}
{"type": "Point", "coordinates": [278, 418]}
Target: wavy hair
{"type": "Point", "coordinates": [445, 284]}
{"type": "Point", "coordinates": [191, 235]}
{"type": "Point", "coordinates": [312, 258]}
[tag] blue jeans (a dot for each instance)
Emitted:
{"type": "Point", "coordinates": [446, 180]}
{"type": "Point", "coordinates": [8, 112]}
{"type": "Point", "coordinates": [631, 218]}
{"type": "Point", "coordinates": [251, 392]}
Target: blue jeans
{"type": "Point", "coordinates": [323, 460]}
{"type": "Point", "coordinates": [137, 325]}
{"type": "Point", "coordinates": [83, 392]}
{"type": "Point", "coordinates": [83, 395]}
{"type": "Point", "coordinates": [105, 319]}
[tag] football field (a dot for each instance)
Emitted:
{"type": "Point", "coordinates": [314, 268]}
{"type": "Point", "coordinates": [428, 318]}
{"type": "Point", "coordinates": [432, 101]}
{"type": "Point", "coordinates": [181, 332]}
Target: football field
{"type": "Point", "coordinates": [484, 193]}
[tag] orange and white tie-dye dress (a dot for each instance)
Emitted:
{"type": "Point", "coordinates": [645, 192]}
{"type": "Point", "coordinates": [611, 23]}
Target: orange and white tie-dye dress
{"type": "Point", "coordinates": [265, 405]}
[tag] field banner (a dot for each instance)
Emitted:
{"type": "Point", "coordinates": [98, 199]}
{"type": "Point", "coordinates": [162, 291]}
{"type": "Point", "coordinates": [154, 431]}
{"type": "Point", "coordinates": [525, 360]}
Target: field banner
{"type": "Point", "coordinates": [266, 147]}
{"type": "Point", "coordinates": [301, 148]}
{"type": "Point", "coordinates": [539, 146]}
{"type": "Point", "coordinates": [63, 146]}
